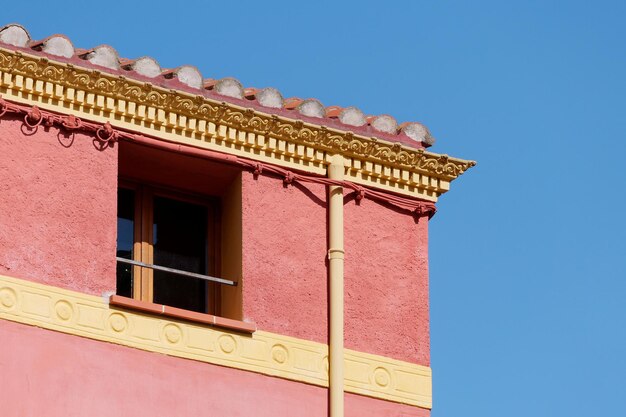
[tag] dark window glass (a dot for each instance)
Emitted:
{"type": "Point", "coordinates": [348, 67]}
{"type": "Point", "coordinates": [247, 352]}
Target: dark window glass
{"type": "Point", "coordinates": [125, 240]}
{"type": "Point", "coordinates": [180, 242]}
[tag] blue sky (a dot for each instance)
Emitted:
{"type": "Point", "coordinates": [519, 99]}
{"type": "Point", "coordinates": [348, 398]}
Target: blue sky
{"type": "Point", "coordinates": [528, 260]}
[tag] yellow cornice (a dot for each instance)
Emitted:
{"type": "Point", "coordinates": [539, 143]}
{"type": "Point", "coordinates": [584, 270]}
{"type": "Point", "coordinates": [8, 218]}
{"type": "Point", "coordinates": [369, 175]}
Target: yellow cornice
{"type": "Point", "coordinates": [225, 127]}
{"type": "Point", "coordinates": [266, 353]}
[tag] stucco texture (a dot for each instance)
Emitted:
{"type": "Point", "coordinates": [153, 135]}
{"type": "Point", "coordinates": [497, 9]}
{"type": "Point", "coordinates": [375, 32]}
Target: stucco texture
{"type": "Point", "coordinates": [57, 226]}
{"type": "Point", "coordinates": [285, 274]}
{"type": "Point", "coordinates": [386, 282]}
{"type": "Point", "coordinates": [56, 375]}
{"type": "Point", "coordinates": [57, 208]}
{"type": "Point", "coordinates": [284, 257]}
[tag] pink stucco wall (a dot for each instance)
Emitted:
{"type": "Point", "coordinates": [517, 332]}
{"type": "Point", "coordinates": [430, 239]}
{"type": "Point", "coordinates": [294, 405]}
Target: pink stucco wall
{"type": "Point", "coordinates": [285, 275]}
{"type": "Point", "coordinates": [284, 257]}
{"type": "Point", "coordinates": [57, 209]}
{"type": "Point", "coordinates": [57, 226]}
{"type": "Point", "coordinates": [386, 282]}
{"type": "Point", "coordinates": [58, 375]}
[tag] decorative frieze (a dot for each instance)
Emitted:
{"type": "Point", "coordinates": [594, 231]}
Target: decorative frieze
{"type": "Point", "coordinates": [272, 354]}
{"type": "Point", "coordinates": [182, 117]}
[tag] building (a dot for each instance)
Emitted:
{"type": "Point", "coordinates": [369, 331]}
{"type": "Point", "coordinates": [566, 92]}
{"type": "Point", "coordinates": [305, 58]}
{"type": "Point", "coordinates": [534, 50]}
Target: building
{"type": "Point", "coordinates": [173, 245]}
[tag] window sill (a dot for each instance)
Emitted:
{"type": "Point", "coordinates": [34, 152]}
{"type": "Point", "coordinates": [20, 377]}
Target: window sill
{"type": "Point", "coordinates": [179, 313]}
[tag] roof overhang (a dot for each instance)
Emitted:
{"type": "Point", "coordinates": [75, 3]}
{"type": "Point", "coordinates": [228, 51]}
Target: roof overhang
{"type": "Point", "coordinates": [200, 121]}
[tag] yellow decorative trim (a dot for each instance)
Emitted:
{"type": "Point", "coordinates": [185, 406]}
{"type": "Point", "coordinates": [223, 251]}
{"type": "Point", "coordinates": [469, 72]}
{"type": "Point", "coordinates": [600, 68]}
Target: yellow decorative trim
{"type": "Point", "coordinates": [182, 117]}
{"type": "Point", "coordinates": [266, 353]}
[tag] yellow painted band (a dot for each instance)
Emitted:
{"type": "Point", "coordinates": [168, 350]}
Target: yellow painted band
{"type": "Point", "coordinates": [266, 353]}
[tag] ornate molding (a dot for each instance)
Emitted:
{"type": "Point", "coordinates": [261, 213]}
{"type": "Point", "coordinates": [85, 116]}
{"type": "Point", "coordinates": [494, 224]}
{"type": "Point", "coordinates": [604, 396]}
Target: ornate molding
{"type": "Point", "coordinates": [371, 161]}
{"type": "Point", "coordinates": [271, 354]}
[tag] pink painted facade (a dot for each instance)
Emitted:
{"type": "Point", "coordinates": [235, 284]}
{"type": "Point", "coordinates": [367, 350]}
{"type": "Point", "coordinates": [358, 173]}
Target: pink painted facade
{"type": "Point", "coordinates": [285, 289]}
{"type": "Point", "coordinates": [74, 376]}
{"type": "Point", "coordinates": [386, 284]}
{"type": "Point", "coordinates": [58, 227]}
{"type": "Point", "coordinates": [58, 209]}
{"type": "Point", "coordinates": [386, 270]}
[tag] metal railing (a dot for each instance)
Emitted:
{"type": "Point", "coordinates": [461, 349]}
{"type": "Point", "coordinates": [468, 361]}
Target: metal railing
{"type": "Point", "coordinates": [177, 271]}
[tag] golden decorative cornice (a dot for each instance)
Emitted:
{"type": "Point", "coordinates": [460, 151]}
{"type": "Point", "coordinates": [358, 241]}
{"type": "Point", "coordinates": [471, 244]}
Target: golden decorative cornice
{"type": "Point", "coordinates": [224, 126]}
{"type": "Point", "coordinates": [266, 353]}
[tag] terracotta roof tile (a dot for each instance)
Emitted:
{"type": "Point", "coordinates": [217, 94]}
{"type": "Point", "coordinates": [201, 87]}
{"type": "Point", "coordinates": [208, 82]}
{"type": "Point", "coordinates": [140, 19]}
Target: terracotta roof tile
{"type": "Point", "coordinates": [14, 34]}
{"type": "Point", "coordinates": [229, 87]}
{"type": "Point", "coordinates": [185, 74]}
{"type": "Point", "coordinates": [250, 92]}
{"type": "Point", "coordinates": [417, 132]}
{"type": "Point", "coordinates": [333, 111]}
{"type": "Point", "coordinates": [383, 123]}
{"type": "Point", "coordinates": [58, 45]}
{"type": "Point", "coordinates": [270, 97]}
{"type": "Point", "coordinates": [292, 102]}
{"type": "Point", "coordinates": [188, 78]}
{"type": "Point", "coordinates": [352, 116]}
{"type": "Point", "coordinates": [146, 66]}
{"type": "Point", "coordinates": [209, 83]}
{"type": "Point", "coordinates": [312, 107]}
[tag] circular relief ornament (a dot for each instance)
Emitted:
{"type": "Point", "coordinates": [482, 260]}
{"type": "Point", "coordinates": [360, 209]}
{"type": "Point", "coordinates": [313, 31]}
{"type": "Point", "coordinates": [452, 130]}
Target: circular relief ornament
{"type": "Point", "coordinates": [118, 322]}
{"type": "Point", "coordinates": [279, 354]}
{"type": "Point", "coordinates": [227, 343]}
{"type": "Point", "coordinates": [382, 378]}
{"type": "Point", "coordinates": [8, 298]}
{"type": "Point", "coordinates": [63, 310]}
{"type": "Point", "coordinates": [173, 334]}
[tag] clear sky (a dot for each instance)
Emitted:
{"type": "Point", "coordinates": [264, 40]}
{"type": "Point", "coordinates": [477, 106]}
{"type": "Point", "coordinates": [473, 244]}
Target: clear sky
{"type": "Point", "coordinates": [528, 260]}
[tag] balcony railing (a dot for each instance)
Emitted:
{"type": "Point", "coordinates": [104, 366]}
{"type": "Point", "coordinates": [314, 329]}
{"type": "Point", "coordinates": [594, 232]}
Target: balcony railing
{"type": "Point", "coordinates": [177, 271]}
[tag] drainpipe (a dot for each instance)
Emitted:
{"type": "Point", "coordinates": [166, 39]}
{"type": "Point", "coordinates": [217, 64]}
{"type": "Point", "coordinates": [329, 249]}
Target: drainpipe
{"type": "Point", "coordinates": [335, 256]}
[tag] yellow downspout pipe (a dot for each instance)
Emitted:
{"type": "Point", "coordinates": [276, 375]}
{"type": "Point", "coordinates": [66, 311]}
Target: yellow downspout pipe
{"type": "Point", "coordinates": [335, 276]}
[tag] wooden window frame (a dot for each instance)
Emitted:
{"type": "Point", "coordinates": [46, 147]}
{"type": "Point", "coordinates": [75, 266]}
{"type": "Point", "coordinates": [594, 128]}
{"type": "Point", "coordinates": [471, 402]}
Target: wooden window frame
{"type": "Point", "coordinates": [143, 249]}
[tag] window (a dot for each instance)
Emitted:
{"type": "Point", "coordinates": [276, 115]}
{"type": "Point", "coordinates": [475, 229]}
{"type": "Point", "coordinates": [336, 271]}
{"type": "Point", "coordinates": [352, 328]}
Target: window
{"type": "Point", "coordinates": [179, 212]}
{"type": "Point", "coordinates": [164, 238]}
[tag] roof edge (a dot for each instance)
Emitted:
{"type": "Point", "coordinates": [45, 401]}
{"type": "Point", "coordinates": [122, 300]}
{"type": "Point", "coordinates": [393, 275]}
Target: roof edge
{"type": "Point", "coordinates": [376, 160]}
